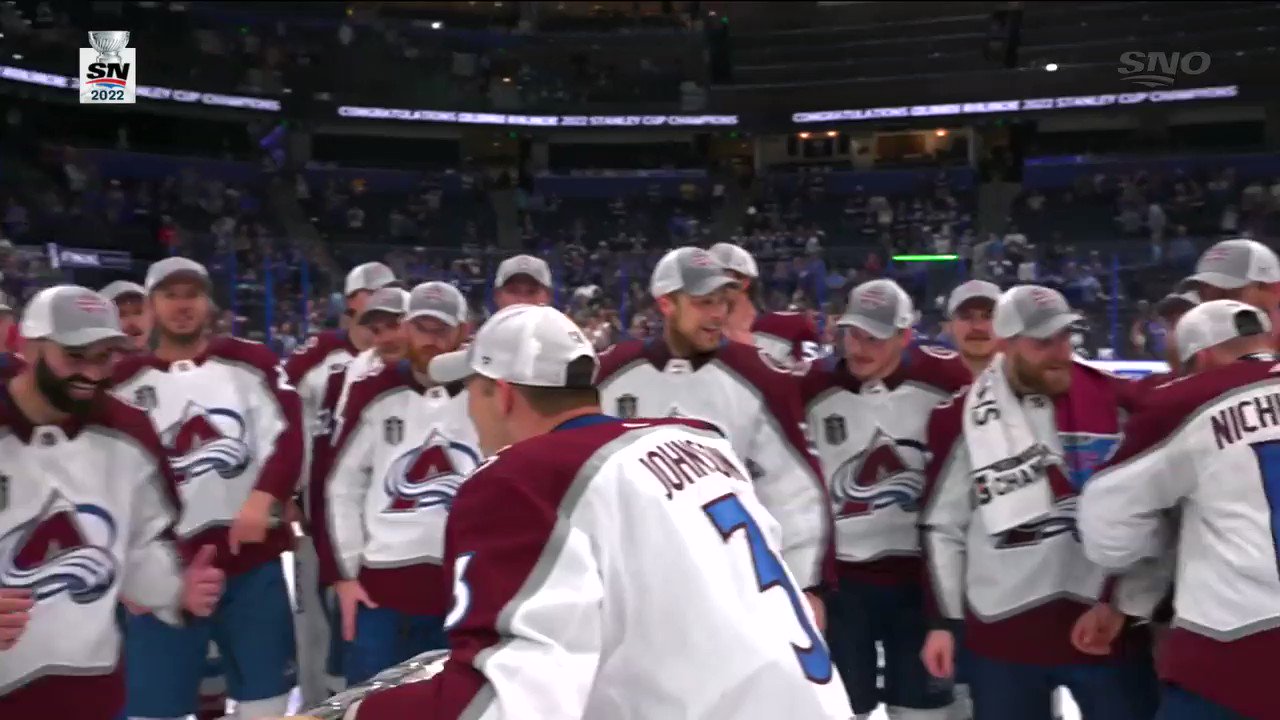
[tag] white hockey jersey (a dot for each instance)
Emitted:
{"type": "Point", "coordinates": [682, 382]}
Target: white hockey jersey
{"type": "Point", "coordinates": [636, 576]}
{"type": "Point", "coordinates": [365, 364]}
{"type": "Point", "coordinates": [87, 510]}
{"type": "Point", "coordinates": [1021, 591]}
{"type": "Point", "coordinates": [308, 370]}
{"type": "Point", "coordinates": [1208, 445]}
{"type": "Point", "coordinates": [870, 437]}
{"type": "Point", "coordinates": [232, 424]}
{"type": "Point", "coordinates": [401, 454]}
{"type": "Point", "coordinates": [755, 403]}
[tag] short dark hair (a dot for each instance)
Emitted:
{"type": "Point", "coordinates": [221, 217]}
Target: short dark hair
{"type": "Point", "coordinates": [579, 389]}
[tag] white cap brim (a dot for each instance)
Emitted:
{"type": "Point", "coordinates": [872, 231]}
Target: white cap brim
{"type": "Point", "coordinates": [451, 367]}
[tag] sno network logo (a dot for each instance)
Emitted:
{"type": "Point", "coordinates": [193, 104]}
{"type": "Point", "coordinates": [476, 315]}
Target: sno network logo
{"type": "Point", "coordinates": [1160, 69]}
{"type": "Point", "coordinates": [108, 69]}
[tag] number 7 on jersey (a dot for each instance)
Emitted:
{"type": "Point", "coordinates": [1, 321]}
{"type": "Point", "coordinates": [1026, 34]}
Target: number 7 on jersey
{"type": "Point", "coordinates": [729, 515]}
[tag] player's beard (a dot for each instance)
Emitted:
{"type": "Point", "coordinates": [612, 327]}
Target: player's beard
{"type": "Point", "coordinates": [1047, 379]}
{"type": "Point", "coordinates": [421, 357]}
{"type": "Point", "coordinates": [58, 390]}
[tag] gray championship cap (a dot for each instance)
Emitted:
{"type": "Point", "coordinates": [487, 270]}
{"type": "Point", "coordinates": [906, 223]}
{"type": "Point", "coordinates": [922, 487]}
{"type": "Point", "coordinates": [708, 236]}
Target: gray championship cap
{"type": "Point", "coordinates": [536, 268]}
{"type": "Point", "coordinates": [122, 288]}
{"type": "Point", "coordinates": [175, 268]}
{"type": "Point", "coordinates": [71, 316]}
{"type": "Point", "coordinates": [1232, 264]}
{"type": "Point", "coordinates": [972, 290]}
{"type": "Point", "coordinates": [524, 345]}
{"type": "Point", "coordinates": [1032, 311]}
{"type": "Point", "coordinates": [438, 300]}
{"type": "Point", "coordinates": [879, 307]}
{"type": "Point", "coordinates": [369, 276]}
{"type": "Point", "coordinates": [736, 259]}
{"type": "Point", "coordinates": [1215, 322]}
{"type": "Point", "coordinates": [691, 270]}
{"type": "Point", "coordinates": [389, 300]}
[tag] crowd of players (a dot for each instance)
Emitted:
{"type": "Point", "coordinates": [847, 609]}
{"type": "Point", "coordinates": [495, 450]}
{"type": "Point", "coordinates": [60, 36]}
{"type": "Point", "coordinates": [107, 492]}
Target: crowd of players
{"type": "Point", "coordinates": [716, 523]}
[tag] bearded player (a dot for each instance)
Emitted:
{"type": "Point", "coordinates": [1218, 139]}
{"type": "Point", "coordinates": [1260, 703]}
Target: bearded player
{"type": "Point", "coordinates": [1009, 458]}
{"type": "Point", "coordinates": [404, 446]}
{"type": "Point", "coordinates": [87, 507]}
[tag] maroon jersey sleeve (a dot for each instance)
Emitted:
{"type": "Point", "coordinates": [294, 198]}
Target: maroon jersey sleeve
{"type": "Point", "coordinates": [617, 357]}
{"type": "Point", "coordinates": [311, 354]}
{"type": "Point", "coordinates": [525, 491]}
{"type": "Point", "coordinates": [282, 466]}
{"type": "Point", "coordinates": [940, 367]}
{"type": "Point", "coordinates": [793, 327]}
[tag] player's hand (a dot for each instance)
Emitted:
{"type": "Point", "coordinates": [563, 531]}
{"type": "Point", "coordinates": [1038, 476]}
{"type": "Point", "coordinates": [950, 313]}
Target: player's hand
{"type": "Point", "coordinates": [15, 613]}
{"type": "Point", "coordinates": [351, 595]}
{"type": "Point", "coordinates": [819, 611]}
{"type": "Point", "coordinates": [252, 522]}
{"type": "Point", "coordinates": [939, 654]}
{"type": "Point", "coordinates": [202, 583]}
{"type": "Point", "coordinates": [1096, 629]}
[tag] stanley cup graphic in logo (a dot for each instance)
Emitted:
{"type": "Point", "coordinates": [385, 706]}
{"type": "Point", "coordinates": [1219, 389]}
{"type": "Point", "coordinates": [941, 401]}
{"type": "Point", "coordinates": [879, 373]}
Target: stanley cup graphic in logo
{"type": "Point", "coordinates": [109, 43]}
{"type": "Point", "coordinates": [108, 71]}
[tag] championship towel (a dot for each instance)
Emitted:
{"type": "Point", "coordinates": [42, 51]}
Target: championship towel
{"type": "Point", "coordinates": [1009, 479]}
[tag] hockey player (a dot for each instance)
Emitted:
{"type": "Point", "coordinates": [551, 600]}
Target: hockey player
{"type": "Point", "coordinates": [309, 370]}
{"type": "Point", "coordinates": [232, 425]}
{"type": "Point", "coordinates": [1244, 270]}
{"type": "Point", "coordinates": [137, 322]}
{"type": "Point", "coordinates": [1209, 445]}
{"type": "Point", "coordinates": [788, 337]}
{"type": "Point", "coordinates": [135, 316]}
{"type": "Point", "coordinates": [87, 508]}
{"type": "Point", "coordinates": [868, 411]}
{"type": "Point", "coordinates": [8, 329]}
{"type": "Point", "coordinates": [970, 308]}
{"type": "Point", "coordinates": [405, 445]}
{"type": "Point", "coordinates": [692, 371]}
{"type": "Point", "coordinates": [556, 616]}
{"type": "Point", "coordinates": [522, 279]}
{"type": "Point", "coordinates": [1009, 457]}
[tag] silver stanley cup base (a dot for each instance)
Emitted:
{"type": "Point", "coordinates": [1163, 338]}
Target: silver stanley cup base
{"type": "Point", "coordinates": [416, 669]}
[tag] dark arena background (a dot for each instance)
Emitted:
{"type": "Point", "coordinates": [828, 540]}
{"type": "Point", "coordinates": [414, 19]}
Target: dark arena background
{"type": "Point", "coordinates": [1097, 148]}
{"type": "Point", "coordinates": [1093, 147]}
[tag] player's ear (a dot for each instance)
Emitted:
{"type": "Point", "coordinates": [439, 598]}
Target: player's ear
{"type": "Point", "coordinates": [907, 334]}
{"type": "Point", "coordinates": [506, 396]}
{"type": "Point", "coordinates": [666, 303]}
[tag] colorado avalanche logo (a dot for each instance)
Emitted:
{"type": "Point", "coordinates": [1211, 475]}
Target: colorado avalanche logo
{"type": "Point", "coordinates": [207, 440]}
{"type": "Point", "coordinates": [66, 549]}
{"type": "Point", "coordinates": [886, 473]}
{"type": "Point", "coordinates": [429, 475]}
